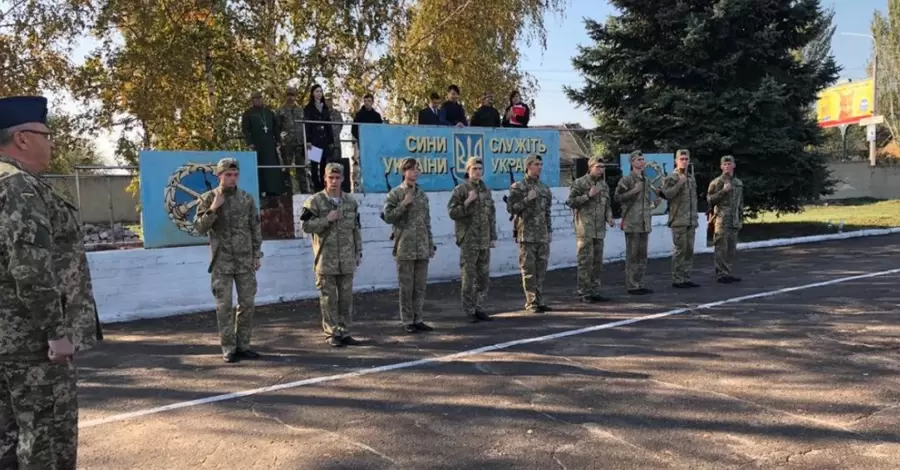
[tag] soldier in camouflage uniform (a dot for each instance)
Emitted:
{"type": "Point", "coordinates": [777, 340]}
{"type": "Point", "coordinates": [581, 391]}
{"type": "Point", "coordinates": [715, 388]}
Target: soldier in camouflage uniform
{"type": "Point", "coordinates": [633, 192]}
{"type": "Point", "coordinates": [472, 209]}
{"type": "Point", "coordinates": [680, 189]}
{"type": "Point", "coordinates": [290, 116]}
{"type": "Point", "coordinates": [407, 209]}
{"type": "Point", "coordinates": [726, 197]}
{"type": "Point", "coordinates": [529, 203]}
{"type": "Point", "coordinates": [589, 197]}
{"type": "Point", "coordinates": [228, 215]}
{"type": "Point", "coordinates": [332, 217]}
{"type": "Point", "coordinates": [47, 308]}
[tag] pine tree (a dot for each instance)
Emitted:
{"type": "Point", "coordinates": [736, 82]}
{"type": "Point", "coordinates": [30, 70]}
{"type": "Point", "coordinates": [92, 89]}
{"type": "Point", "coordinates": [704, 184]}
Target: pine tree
{"type": "Point", "coordinates": [736, 77]}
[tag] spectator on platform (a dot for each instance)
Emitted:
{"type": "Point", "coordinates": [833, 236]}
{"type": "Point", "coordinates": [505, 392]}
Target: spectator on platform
{"type": "Point", "coordinates": [337, 155]}
{"type": "Point", "coordinates": [518, 113]}
{"type": "Point", "coordinates": [452, 112]}
{"type": "Point", "coordinates": [366, 114]}
{"type": "Point", "coordinates": [431, 114]}
{"type": "Point", "coordinates": [261, 130]}
{"type": "Point", "coordinates": [487, 115]}
{"type": "Point", "coordinates": [318, 134]}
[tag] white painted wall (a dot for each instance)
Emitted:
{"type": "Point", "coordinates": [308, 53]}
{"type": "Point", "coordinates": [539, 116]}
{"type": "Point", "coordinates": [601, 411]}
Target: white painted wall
{"type": "Point", "coordinates": [139, 283]}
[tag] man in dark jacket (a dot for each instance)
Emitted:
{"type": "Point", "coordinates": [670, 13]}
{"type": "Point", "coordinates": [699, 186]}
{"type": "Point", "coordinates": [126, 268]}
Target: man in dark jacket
{"type": "Point", "coordinates": [366, 114]}
{"type": "Point", "coordinates": [487, 115]}
{"type": "Point", "coordinates": [431, 115]}
{"type": "Point", "coordinates": [452, 113]}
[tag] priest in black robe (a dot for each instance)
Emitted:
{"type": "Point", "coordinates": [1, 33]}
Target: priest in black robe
{"type": "Point", "coordinates": [262, 133]}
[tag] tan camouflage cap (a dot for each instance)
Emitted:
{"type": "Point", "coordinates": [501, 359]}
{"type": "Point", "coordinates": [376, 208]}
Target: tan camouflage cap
{"type": "Point", "coordinates": [681, 152]}
{"type": "Point", "coordinates": [726, 158]}
{"type": "Point", "coordinates": [532, 159]}
{"type": "Point", "coordinates": [635, 154]}
{"type": "Point", "coordinates": [226, 164]}
{"type": "Point", "coordinates": [596, 160]}
{"type": "Point", "coordinates": [334, 168]}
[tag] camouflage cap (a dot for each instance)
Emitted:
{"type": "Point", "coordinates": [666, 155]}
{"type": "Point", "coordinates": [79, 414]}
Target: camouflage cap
{"type": "Point", "coordinates": [683, 152]}
{"type": "Point", "coordinates": [596, 160]}
{"type": "Point", "coordinates": [334, 168]}
{"type": "Point", "coordinates": [635, 154]}
{"type": "Point", "coordinates": [726, 158]}
{"type": "Point", "coordinates": [533, 158]}
{"type": "Point", "coordinates": [473, 161]}
{"type": "Point", "coordinates": [226, 164]}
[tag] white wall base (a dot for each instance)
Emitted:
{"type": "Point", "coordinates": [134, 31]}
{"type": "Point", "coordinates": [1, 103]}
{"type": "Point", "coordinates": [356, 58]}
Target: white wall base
{"type": "Point", "coordinates": [139, 283]}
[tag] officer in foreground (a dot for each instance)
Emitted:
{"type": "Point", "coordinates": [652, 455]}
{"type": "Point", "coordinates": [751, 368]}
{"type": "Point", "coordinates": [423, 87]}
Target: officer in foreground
{"type": "Point", "coordinates": [47, 308]}
{"type": "Point", "coordinates": [228, 215]}
{"type": "Point", "coordinates": [529, 203]}
{"type": "Point", "coordinates": [589, 197]}
{"type": "Point", "coordinates": [680, 189]}
{"type": "Point", "coordinates": [475, 218]}
{"type": "Point", "coordinates": [332, 217]}
{"type": "Point", "coordinates": [726, 197]}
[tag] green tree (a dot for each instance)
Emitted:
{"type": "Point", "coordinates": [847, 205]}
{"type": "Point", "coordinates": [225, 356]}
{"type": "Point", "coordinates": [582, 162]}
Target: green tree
{"type": "Point", "coordinates": [70, 146]}
{"type": "Point", "coordinates": [886, 31]}
{"type": "Point", "coordinates": [717, 78]}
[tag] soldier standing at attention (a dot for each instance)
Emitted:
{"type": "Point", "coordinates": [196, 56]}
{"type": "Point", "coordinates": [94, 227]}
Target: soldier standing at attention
{"type": "Point", "coordinates": [726, 197]}
{"type": "Point", "coordinates": [290, 118]}
{"type": "Point", "coordinates": [633, 192]}
{"type": "Point", "coordinates": [47, 309]}
{"type": "Point", "coordinates": [332, 217]}
{"type": "Point", "coordinates": [529, 203]}
{"type": "Point", "coordinates": [228, 215]}
{"type": "Point", "coordinates": [589, 197]}
{"type": "Point", "coordinates": [680, 189]}
{"type": "Point", "coordinates": [406, 208]}
{"type": "Point", "coordinates": [472, 209]}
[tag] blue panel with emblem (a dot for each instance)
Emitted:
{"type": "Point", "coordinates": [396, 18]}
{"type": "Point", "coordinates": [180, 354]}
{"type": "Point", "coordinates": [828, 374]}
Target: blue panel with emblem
{"type": "Point", "coordinates": [657, 166]}
{"type": "Point", "coordinates": [442, 153]}
{"type": "Point", "coordinates": [171, 185]}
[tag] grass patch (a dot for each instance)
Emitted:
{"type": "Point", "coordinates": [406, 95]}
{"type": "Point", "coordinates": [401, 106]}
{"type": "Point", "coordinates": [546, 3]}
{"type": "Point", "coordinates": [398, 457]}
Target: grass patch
{"type": "Point", "coordinates": [824, 218]}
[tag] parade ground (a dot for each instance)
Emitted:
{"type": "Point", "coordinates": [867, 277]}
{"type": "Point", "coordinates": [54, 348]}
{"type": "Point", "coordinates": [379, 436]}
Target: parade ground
{"type": "Point", "coordinates": [798, 367]}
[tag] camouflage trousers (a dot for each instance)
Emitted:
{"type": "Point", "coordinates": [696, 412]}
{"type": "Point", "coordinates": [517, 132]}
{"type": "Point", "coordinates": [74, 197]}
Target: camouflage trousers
{"type": "Point", "coordinates": [682, 253]}
{"type": "Point", "coordinates": [38, 416]}
{"type": "Point", "coordinates": [235, 325]}
{"type": "Point", "coordinates": [533, 259]}
{"type": "Point", "coordinates": [589, 254]}
{"type": "Point", "coordinates": [295, 154]}
{"type": "Point", "coordinates": [725, 241]}
{"type": "Point", "coordinates": [412, 276]}
{"type": "Point", "coordinates": [336, 303]}
{"type": "Point", "coordinates": [475, 273]}
{"type": "Point", "coordinates": [635, 259]}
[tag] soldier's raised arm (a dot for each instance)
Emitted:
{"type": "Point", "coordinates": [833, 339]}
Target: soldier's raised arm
{"type": "Point", "coordinates": [27, 239]}
{"type": "Point", "coordinates": [627, 190]}
{"type": "Point", "coordinates": [713, 194]}
{"type": "Point", "coordinates": [456, 205]}
{"type": "Point", "coordinates": [578, 195]}
{"type": "Point", "coordinates": [393, 208]}
{"type": "Point", "coordinates": [672, 185]}
{"type": "Point", "coordinates": [205, 216]}
{"type": "Point", "coordinates": [313, 221]}
{"type": "Point", "coordinates": [516, 201]}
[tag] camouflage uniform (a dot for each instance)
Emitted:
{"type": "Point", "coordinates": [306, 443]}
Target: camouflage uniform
{"type": "Point", "coordinates": [476, 230]}
{"type": "Point", "coordinates": [45, 293]}
{"type": "Point", "coordinates": [337, 247]}
{"type": "Point", "coordinates": [591, 216]}
{"type": "Point", "coordinates": [633, 192]}
{"type": "Point", "coordinates": [533, 229]}
{"type": "Point", "coordinates": [235, 242]}
{"type": "Point", "coordinates": [413, 245]}
{"type": "Point", "coordinates": [728, 213]}
{"type": "Point", "coordinates": [683, 220]}
{"type": "Point", "coordinates": [292, 145]}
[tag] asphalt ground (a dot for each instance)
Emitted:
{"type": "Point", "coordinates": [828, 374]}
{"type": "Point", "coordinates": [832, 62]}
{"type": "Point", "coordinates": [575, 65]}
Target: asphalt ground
{"type": "Point", "coordinates": [802, 379]}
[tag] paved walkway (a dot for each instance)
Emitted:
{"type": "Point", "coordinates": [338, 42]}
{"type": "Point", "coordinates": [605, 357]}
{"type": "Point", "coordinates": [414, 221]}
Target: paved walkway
{"type": "Point", "coordinates": [806, 378]}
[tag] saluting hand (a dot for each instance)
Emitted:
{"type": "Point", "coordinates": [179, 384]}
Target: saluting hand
{"type": "Point", "coordinates": [409, 198]}
{"type": "Point", "coordinates": [333, 215]}
{"type": "Point", "coordinates": [218, 200]}
{"type": "Point", "coordinates": [532, 195]}
{"type": "Point", "coordinates": [473, 195]}
{"type": "Point", "coordinates": [594, 191]}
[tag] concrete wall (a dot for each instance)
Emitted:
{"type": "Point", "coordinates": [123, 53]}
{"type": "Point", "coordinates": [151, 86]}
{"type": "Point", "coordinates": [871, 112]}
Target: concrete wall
{"type": "Point", "coordinates": [858, 180]}
{"type": "Point", "coordinates": [140, 283]}
{"type": "Point", "coordinates": [95, 197]}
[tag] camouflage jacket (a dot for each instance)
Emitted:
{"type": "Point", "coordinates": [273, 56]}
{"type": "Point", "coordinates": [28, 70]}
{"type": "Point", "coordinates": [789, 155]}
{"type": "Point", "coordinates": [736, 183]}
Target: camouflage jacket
{"type": "Point", "coordinates": [633, 192]}
{"type": "Point", "coordinates": [291, 120]}
{"type": "Point", "coordinates": [336, 245]}
{"type": "Point", "coordinates": [235, 239]}
{"type": "Point", "coordinates": [531, 219]}
{"type": "Point", "coordinates": [476, 224]}
{"type": "Point", "coordinates": [412, 224]}
{"type": "Point", "coordinates": [728, 207]}
{"type": "Point", "coordinates": [682, 197]}
{"type": "Point", "coordinates": [591, 213]}
{"type": "Point", "coordinates": [45, 280]}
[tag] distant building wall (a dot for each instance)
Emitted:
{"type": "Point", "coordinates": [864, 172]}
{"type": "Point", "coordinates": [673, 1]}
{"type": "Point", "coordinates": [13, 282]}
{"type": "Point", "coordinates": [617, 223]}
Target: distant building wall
{"type": "Point", "coordinates": [95, 197]}
{"type": "Point", "coordinates": [858, 179]}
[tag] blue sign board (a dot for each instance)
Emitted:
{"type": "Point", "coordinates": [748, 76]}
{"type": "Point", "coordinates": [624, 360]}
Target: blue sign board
{"type": "Point", "coordinates": [442, 153]}
{"type": "Point", "coordinates": [171, 185]}
{"type": "Point", "coordinates": [657, 166]}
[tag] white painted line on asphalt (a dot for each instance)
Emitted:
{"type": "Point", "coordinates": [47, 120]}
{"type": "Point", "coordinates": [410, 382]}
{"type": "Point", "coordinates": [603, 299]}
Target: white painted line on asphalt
{"type": "Point", "coordinates": [468, 353]}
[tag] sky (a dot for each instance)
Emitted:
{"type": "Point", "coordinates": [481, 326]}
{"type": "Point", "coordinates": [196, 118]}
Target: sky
{"type": "Point", "coordinates": [553, 68]}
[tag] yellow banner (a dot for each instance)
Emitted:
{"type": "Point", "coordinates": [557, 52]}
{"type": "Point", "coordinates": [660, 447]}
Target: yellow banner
{"type": "Point", "coordinates": [846, 103]}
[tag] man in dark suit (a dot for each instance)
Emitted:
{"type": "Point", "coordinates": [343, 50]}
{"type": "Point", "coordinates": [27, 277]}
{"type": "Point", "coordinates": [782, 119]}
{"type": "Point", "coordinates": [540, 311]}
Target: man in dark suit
{"type": "Point", "coordinates": [429, 116]}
